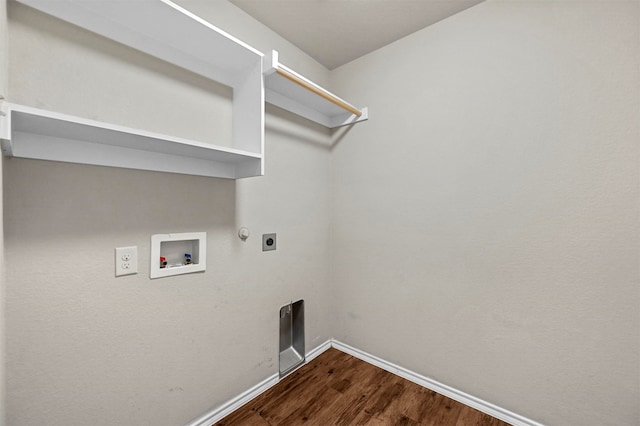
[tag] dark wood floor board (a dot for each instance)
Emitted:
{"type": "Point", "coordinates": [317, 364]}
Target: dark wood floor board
{"type": "Point", "coordinates": [296, 389]}
{"type": "Point", "coordinates": [469, 416]}
{"type": "Point", "coordinates": [339, 389]}
{"type": "Point", "coordinates": [358, 396]}
{"type": "Point", "coordinates": [444, 412]}
{"type": "Point", "coordinates": [313, 406]}
{"type": "Point", "coordinates": [416, 403]}
{"type": "Point", "coordinates": [375, 408]}
{"type": "Point", "coordinates": [242, 417]}
{"type": "Point", "coordinates": [413, 406]}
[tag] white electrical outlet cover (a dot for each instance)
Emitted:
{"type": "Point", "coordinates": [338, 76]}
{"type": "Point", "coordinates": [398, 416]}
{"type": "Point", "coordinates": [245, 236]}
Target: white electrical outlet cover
{"type": "Point", "coordinates": [126, 260]}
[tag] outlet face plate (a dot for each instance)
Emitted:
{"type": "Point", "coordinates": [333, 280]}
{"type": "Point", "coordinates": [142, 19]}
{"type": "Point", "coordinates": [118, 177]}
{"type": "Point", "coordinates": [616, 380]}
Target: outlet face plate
{"type": "Point", "coordinates": [268, 242]}
{"type": "Point", "coordinates": [126, 260]}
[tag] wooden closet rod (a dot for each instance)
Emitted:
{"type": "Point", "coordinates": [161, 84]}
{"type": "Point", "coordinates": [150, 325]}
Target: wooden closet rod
{"type": "Point", "coordinates": [319, 92]}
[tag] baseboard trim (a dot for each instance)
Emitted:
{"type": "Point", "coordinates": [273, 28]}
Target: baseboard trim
{"type": "Point", "coordinates": [313, 353]}
{"type": "Point", "coordinates": [448, 391]}
{"type": "Point", "coordinates": [233, 404]}
{"type": "Point", "coordinates": [228, 407]}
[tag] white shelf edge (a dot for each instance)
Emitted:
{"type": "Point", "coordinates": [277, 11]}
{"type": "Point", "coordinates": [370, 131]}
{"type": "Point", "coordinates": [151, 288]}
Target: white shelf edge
{"type": "Point", "coordinates": [28, 132]}
{"type": "Point", "coordinates": [210, 26]}
{"type": "Point", "coordinates": [290, 96]}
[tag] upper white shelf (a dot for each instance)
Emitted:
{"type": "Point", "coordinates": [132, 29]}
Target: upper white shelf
{"type": "Point", "coordinates": [162, 29]}
{"type": "Point", "coordinates": [167, 31]}
{"type": "Point", "coordinates": [34, 133]}
{"type": "Point", "coordinates": [291, 91]}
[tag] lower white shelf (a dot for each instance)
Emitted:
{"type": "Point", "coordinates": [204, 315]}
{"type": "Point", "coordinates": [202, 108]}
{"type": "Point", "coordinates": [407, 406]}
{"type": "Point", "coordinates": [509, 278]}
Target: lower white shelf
{"type": "Point", "coordinates": [28, 132]}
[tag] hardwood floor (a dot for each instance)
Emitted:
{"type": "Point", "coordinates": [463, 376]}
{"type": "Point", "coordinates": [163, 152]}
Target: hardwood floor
{"type": "Point", "coordinates": [338, 389]}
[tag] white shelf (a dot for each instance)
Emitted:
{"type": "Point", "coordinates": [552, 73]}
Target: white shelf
{"type": "Point", "coordinates": [167, 31]}
{"type": "Point", "coordinates": [162, 29]}
{"type": "Point", "coordinates": [34, 133]}
{"type": "Point", "coordinates": [295, 93]}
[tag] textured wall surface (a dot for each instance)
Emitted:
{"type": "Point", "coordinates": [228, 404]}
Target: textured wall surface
{"type": "Point", "coordinates": [84, 347]}
{"type": "Point", "coordinates": [479, 229]}
{"type": "Point", "coordinates": [3, 85]}
{"type": "Point", "coordinates": [486, 216]}
{"type": "Point", "coordinates": [4, 48]}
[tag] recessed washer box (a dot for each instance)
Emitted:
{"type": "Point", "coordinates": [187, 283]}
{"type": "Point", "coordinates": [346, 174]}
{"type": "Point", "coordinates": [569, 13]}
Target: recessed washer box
{"type": "Point", "coordinates": [176, 254]}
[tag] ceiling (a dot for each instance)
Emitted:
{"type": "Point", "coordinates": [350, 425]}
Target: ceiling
{"type": "Point", "coordinates": [335, 32]}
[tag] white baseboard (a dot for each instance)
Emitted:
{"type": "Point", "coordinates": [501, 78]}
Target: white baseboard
{"type": "Point", "coordinates": [448, 391]}
{"type": "Point", "coordinates": [233, 404]}
{"type": "Point", "coordinates": [220, 412]}
{"type": "Point", "coordinates": [313, 353]}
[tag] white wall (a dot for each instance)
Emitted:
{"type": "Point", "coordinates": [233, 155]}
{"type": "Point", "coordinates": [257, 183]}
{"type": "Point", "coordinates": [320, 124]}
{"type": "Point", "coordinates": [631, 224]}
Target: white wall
{"type": "Point", "coordinates": [3, 86]}
{"type": "Point", "coordinates": [4, 48]}
{"type": "Point", "coordinates": [483, 229]}
{"type": "Point", "coordinates": [84, 347]}
{"type": "Point", "coordinates": [486, 216]}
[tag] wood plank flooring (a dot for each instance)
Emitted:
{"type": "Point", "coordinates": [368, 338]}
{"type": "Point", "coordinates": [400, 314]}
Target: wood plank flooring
{"type": "Point", "coordinates": [338, 389]}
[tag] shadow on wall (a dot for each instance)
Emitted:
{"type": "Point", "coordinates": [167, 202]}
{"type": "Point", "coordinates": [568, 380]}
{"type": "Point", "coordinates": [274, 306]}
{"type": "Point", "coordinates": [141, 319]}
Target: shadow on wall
{"type": "Point", "coordinates": [338, 134]}
{"type": "Point", "coordinates": [111, 82]}
{"type": "Point", "coordinates": [290, 126]}
{"type": "Point", "coordinates": [50, 26]}
{"type": "Point", "coordinates": [51, 199]}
